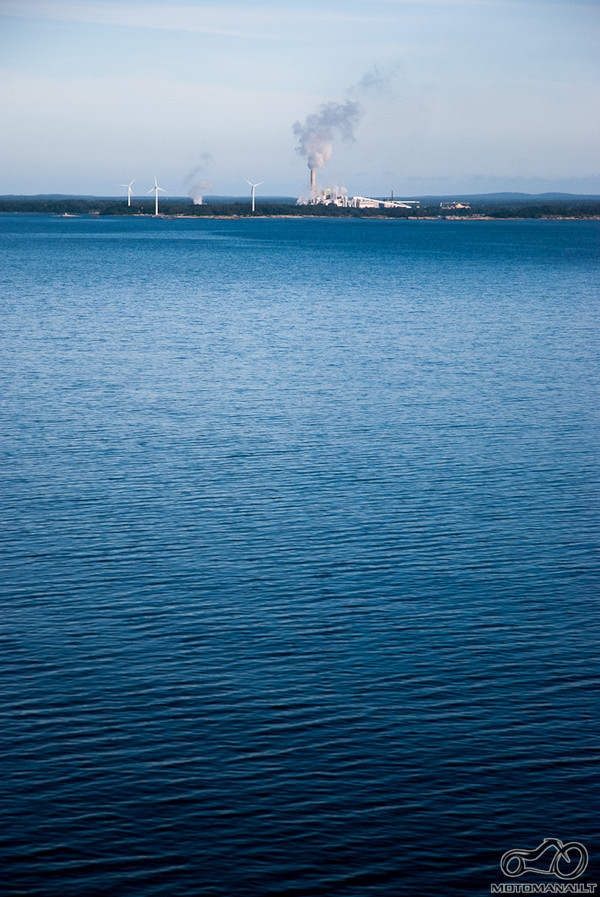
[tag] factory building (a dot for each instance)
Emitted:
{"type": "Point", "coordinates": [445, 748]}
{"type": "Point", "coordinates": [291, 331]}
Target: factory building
{"type": "Point", "coordinates": [334, 196]}
{"type": "Point", "coordinates": [455, 205]}
{"type": "Point", "coordinates": [364, 202]}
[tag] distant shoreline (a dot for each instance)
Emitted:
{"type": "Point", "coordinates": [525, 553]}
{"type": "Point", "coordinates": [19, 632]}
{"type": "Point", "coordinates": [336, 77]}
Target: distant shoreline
{"type": "Point", "coordinates": [463, 218]}
{"type": "Point", "coordinates": [480, 208]}
{"type": "Point", "coordinates": [216, 216]}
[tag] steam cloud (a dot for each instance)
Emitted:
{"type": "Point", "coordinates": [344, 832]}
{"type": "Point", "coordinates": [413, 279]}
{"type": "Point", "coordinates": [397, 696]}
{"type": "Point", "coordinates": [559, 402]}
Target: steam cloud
{"type": "Point", "coordinates": [196, 184]}
{"type": "Point", "coordinates": [197, 189]}
{"type": "Point", "coordinates": [315, 136]}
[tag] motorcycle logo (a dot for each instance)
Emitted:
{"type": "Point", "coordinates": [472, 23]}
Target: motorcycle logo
{"type": "Point", "coordinates": [568, 861]}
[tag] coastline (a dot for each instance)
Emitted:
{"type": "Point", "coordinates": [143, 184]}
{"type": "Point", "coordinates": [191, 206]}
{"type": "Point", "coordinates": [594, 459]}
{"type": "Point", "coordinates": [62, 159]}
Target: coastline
{"type": "Point", "coordinates": [484, 207]}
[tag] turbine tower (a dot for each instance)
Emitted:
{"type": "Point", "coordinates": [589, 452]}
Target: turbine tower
{"type": "Point", "coordinates": [129, 190]}
{"type": "Point", "coordinates": [155, 190]}
{"type": "Point", "coordinates": [254, 186]}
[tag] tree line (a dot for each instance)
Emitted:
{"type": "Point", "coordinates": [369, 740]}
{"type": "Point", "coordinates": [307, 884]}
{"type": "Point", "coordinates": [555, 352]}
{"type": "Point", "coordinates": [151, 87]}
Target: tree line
{"type": "Point", "coordinates": [527, 207]}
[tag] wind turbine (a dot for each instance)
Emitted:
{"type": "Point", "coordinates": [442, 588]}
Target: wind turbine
{"type": "Point", "coordinates": [254, 186]}
{"type": "Point", "coordinates": [129, 190]}
{"type": "Point", "coordinates": [155, 190]}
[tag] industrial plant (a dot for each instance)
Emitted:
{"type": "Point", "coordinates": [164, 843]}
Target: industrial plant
{"type": "Point", "coordinates": [315, 142]}
{"type": "Point", "coordinates": [336, 196]}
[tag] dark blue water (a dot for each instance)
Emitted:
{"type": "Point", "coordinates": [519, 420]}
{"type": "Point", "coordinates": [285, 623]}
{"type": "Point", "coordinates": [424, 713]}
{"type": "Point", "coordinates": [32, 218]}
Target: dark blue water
{"type": "Point", "coordinates": [299, 554]}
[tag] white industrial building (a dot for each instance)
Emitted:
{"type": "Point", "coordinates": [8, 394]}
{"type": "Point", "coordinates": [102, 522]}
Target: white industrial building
{"type": "Point", "coordinates": [455, 204]}
{"type": "Point", "coordinates": [335, 196]}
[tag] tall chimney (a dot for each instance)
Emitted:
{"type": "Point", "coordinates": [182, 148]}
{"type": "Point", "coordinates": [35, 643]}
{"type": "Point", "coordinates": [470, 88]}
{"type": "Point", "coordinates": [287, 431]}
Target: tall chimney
{"type": "Point", "coordinates": [313, 188]}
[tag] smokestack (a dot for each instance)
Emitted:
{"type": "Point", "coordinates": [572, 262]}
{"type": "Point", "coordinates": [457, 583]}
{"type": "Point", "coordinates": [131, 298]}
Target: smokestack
{"type": "Point", "coordinates": [315, 136]}
{"type": "Point", "coordinates": [313, 188]}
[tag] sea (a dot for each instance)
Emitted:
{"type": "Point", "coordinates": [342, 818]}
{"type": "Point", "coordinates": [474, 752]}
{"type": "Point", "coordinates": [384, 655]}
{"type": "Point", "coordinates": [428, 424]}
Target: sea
{"type": "Point", "coordinates": [299, 556]}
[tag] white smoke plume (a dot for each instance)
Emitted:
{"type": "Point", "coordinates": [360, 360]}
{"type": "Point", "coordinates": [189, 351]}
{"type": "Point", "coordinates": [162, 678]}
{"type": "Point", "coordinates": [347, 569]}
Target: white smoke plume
{"type": "Point", "coordinates": [197, 190]}
{"type": "Point", "coordinates": [376, 89]}
{"type": "Point", "coordinates": [316, 134]}
{"type": "Point", "coordinates": [196, 183]}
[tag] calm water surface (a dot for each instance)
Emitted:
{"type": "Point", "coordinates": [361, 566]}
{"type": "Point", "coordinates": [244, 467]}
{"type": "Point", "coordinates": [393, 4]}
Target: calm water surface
{"type": "Point", "coordinates": [299, 554]}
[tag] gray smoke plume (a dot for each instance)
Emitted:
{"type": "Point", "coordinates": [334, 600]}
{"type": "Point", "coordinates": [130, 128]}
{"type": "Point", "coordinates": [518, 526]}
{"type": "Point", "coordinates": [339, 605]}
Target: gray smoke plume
{"type": "Point", "coordinates": [195, 183]}
{"type": "Point", "coordinates": [315, 136]}
{"type": "Point", "coordinates": [197, 190]}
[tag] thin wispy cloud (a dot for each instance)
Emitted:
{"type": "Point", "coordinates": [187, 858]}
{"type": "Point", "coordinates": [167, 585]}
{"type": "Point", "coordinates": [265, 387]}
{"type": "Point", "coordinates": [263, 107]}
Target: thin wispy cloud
{"type": "Point", "coordinates": [171, 18]}
{"type": "Point", "coordinates": [229, 21]}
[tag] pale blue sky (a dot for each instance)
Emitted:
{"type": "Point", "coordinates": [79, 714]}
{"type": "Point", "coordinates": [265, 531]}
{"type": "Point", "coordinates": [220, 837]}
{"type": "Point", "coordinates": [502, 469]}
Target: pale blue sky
{"type": "Point", "coordinates": [456, 95]}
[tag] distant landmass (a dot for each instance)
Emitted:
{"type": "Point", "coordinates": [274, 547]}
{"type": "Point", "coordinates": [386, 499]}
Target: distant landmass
{"type": "Point", "coordinates": [511, 197]}
{"type": "Point", "coordinates": [486, 205]}
{"type": "Point", "coordinates": [212, 198]}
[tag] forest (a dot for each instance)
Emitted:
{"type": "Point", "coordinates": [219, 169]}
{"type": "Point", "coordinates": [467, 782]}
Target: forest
{"type": "Point", "coordinates": [525, 206]}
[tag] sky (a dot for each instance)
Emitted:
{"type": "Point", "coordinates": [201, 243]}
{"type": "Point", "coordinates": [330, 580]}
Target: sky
{"type": "Point", "coordinates": [447, 96]}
